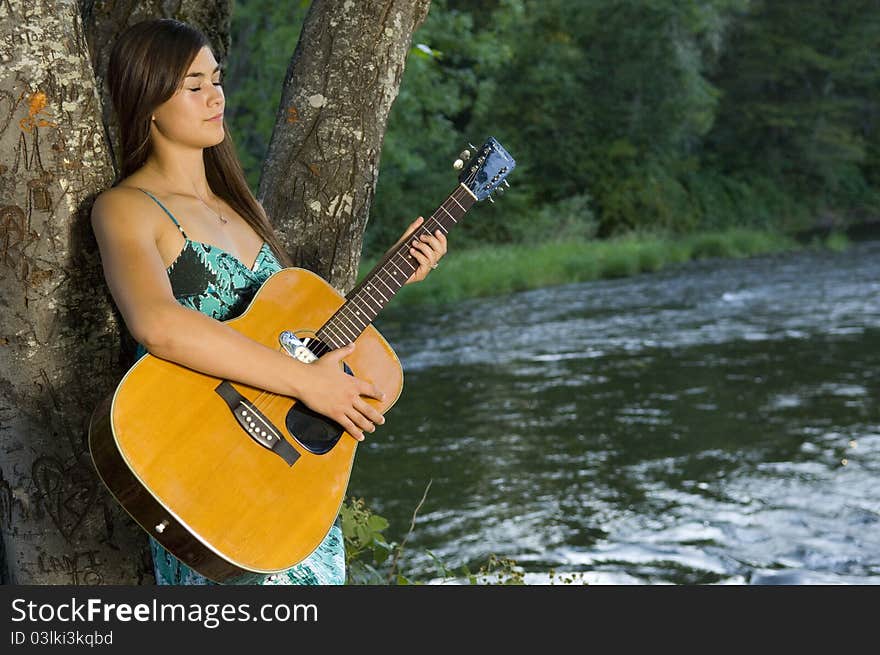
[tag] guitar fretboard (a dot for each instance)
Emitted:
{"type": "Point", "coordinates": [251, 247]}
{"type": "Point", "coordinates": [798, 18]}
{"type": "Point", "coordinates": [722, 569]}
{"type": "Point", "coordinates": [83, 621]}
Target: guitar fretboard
{"type": "Point", "coordinates": [379, 286]}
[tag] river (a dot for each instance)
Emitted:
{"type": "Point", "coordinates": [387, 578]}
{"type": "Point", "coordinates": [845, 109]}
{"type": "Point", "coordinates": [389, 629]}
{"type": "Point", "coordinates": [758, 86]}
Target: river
{"type": "Point", "coordinates": [713, 423]}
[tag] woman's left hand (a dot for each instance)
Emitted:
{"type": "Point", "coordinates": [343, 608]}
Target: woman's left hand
{"type": "Point", "coordinates": [427, 250]}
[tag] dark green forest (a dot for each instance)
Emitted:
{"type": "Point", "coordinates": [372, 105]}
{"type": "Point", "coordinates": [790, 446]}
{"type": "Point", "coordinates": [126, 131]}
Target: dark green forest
{"type": "Point", "coordinates": [647, 116]}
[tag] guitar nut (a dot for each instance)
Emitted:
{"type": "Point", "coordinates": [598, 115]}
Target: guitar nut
{"type": "Point", "coordinates": [161, 526]}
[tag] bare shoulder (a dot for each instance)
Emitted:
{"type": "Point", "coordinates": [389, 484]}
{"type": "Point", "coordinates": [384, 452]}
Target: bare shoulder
{"type": "Point", "coordinates": [123, 209]}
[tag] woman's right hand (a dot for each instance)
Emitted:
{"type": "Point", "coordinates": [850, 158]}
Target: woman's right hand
{"type": "Point", "coordinates": [339, 396]}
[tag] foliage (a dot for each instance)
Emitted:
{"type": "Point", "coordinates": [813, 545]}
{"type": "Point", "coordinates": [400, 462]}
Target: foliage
{"type": "Point", "coordinates": [624, 115]}
{"type": "Point", "coordinates": [367, 552]}
{"type": "Point", "coordinates": [264, 35]}
{"type": "Point", "coordinates": [365, 546]}
{"type": "Point", "coordinates": [800, 87]}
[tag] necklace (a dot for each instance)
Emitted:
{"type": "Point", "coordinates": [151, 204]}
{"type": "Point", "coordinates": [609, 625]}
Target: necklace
{"type": "Point", "coordinates": [219, 215]}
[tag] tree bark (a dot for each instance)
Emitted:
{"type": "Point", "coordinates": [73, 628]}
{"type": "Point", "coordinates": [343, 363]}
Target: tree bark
{"type": "Point", "coordinates": [59, 345]}
{"type": "Point", "coordinates": [321, 168]}
{"type": "Point", "coordinates": [60, 333]}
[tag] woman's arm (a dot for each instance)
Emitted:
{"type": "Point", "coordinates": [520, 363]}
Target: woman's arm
{"type": "Point", "coordinates": [139, 284]}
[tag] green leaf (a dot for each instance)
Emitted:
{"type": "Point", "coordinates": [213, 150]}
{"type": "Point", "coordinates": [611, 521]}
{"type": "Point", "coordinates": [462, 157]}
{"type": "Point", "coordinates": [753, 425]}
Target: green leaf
{"type": "Point", "coordinates": [377, 523]}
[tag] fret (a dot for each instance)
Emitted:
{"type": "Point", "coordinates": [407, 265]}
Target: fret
{"type": "Point", "coordinates": [366, 300]}
{"type": "Point", "coordinates": [354, 321]}
{"type": "Point", "coordinates": [450, 215]}
{"type": "Point", "coordinates": [351, 329]}
{"type": "Point", "coordinates": [393, 291]}
{"type": "Point", "coordinates": [370, 296]}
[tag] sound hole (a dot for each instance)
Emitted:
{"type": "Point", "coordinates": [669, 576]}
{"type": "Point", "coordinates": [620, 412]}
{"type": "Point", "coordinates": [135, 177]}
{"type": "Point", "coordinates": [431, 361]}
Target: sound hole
{"type": "Point", "coordinates": [317, 433]}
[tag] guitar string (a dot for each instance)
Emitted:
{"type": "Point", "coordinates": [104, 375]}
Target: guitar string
{"type": "Point", "coordinates": [265, 400]}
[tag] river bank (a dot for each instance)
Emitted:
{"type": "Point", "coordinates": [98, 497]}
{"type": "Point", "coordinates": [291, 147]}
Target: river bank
{"type": "Point", "coordinates": [498, 270]}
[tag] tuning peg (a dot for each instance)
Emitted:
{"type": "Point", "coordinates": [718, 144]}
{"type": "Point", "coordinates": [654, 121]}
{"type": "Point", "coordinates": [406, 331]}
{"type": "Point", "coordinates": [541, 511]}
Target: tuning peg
{"type": "Point", "coordinates": [458, 164]}
{"type": "Point", "coordinates": [506, 184]}
{"type": "Point", "coordinates": [464, 154]}
{"type": "Point", "coordinates": [489, 198]}
{"type": "Point", "coordinates": [500, 189]}
{"type": "Point", "coordinates": [473, 147]}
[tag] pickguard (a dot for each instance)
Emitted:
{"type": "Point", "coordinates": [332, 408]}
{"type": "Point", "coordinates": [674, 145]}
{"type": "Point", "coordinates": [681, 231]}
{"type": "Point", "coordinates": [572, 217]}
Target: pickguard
{"type": "Point", "coordinates": [314, 432]}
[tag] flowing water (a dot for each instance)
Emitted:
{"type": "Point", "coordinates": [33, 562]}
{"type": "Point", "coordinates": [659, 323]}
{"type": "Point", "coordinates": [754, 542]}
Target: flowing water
{"type": "Point", "coordinates": [713, 423]}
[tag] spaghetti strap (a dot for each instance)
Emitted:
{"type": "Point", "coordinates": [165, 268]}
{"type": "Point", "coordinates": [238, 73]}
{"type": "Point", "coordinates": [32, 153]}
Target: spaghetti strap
{"type": "Point", "coordinates": [170, 215]}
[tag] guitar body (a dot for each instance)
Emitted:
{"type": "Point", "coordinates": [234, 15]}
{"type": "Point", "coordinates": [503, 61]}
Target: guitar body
{"type": "Point", "coordinates": [173, 452]}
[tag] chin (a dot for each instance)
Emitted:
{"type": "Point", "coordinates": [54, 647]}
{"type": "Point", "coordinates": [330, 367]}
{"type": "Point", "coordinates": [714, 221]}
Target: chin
{"type": "Point", "coordinates": [219, 139]}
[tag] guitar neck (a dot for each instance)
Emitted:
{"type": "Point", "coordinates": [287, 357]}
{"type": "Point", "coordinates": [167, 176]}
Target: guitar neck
{"type": "Point", "coordinates": [379, 286]}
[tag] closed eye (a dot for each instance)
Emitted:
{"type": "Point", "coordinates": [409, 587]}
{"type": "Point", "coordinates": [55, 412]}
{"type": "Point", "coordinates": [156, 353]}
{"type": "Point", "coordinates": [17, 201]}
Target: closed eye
{"type": "Point", "coordinates": [217, 83]}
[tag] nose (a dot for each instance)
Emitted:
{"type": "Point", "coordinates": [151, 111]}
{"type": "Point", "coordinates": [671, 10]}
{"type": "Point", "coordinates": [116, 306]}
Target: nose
{"type": "Point", "coordinates": [216, 97]}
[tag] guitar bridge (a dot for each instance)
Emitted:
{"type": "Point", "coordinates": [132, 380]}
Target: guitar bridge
{"type": "Point", "coordinates": [255, 423]}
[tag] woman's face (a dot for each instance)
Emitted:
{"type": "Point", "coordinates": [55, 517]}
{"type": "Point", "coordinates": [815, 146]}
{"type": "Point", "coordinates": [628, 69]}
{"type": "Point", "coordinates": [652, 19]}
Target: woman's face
{"type": "Point", "coordinates": [187, 117]}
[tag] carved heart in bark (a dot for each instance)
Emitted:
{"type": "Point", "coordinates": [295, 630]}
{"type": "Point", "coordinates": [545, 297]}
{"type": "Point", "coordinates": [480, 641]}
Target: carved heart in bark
{"type": "Point", "coordinates": [67, 494]}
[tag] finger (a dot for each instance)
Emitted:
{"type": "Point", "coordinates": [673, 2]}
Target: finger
{"type": "Point", "coordinates": [442, 239]}
{"type": "Point", "coordinates": [369, 411]}
{"type": "Point", "coordinates": [427, 251]}
{"type": "Point", "coordinates": [433, 242]}
{"type": "Point", "coordinates": [438, 242]}
{"type": "Point", "coordinates": [338, 356]}
{"type": "Point", "coordinates": [409, 230]}
{"type": "Point", "coordinates": [351, 428]}
{"type": "Point", "coordinates": [361, 421]}
{"type": "Point", "coordinates": [341, 352]}
{"type": "Point", "coordinates": [423, 258]}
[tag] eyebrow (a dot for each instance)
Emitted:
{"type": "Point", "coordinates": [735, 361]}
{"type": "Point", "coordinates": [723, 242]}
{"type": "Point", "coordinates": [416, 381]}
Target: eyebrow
{"type": "Point", "coordinates": [202, 74]}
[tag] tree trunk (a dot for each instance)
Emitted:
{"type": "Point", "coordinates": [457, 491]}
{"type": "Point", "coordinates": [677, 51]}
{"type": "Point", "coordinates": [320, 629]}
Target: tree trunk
{"type": "Point", "coordinates": [320, 172]}
{"type": "Point", "coordinates": [58, 334]}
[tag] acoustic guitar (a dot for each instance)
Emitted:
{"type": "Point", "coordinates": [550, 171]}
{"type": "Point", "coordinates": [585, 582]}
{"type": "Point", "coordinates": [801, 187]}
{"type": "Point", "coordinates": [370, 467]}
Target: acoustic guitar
{"type": "Point", "coordinates": [232, 479]}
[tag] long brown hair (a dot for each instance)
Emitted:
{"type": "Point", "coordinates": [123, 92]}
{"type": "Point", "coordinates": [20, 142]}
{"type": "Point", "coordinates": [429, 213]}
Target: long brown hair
{"type": "Point", "coordinates": [147, 64]}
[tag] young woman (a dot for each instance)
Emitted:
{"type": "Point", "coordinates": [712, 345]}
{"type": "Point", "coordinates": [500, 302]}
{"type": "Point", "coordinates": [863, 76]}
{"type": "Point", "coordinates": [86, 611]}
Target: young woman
{"type": "Point", "coordinates": [185, 245]}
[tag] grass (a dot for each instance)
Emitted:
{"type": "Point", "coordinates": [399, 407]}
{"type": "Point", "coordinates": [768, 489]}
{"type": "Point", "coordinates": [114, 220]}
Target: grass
{"type": "Point", "coordinates": [499, 270]}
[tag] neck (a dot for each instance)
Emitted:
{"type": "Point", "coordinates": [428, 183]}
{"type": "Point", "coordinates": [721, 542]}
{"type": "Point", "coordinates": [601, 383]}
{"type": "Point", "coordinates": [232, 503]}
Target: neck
{"type": "Point", "coordinates": [181, 172]}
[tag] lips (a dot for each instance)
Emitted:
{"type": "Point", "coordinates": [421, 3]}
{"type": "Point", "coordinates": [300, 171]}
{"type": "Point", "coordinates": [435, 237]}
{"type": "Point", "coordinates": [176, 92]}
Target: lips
{"type": "Point", "coordinates": [217, 117]}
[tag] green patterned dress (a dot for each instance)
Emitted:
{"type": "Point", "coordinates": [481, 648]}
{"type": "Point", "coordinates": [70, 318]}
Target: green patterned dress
{"type": "Point", "coordinates": [216, 283]}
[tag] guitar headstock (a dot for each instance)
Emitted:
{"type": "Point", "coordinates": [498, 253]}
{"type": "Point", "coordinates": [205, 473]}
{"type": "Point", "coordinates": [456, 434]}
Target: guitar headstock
{"type": "Point", "coordinates": [486, 169]}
